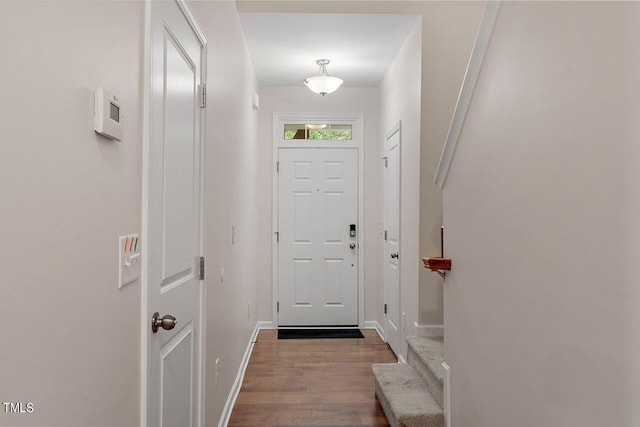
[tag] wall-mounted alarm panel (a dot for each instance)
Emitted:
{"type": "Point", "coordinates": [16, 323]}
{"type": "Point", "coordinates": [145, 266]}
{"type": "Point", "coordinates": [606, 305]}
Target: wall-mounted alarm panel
{"type": "Point", "coordinates": [108, 114]}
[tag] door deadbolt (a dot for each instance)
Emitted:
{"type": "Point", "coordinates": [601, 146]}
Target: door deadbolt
{"type": "Point", "coordinates": [166, 322]}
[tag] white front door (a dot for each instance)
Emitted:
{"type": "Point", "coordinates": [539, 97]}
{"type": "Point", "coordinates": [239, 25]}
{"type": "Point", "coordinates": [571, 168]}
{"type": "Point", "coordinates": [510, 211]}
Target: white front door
{"type": "Point", "coordinates": [317, 249]}
{"type": "Point", "coordinates": [174, 217]}
{"type": "Point", "coordinates": [392, 239]}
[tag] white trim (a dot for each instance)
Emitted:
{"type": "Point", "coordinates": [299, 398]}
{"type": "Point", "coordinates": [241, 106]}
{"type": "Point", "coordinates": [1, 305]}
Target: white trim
{"type": "Point", "coordinates": [397, 128]}
{"type": "Point", "coordinates": [264, 324]}
{"type": "Point", "coordinates": [202, 351]}
{"type": "Point", "coordinates": [429, 330]}
{"type": "Point", "coordinates": [275, 273]}
{"type": "Point", "coordinates": [191, 19]}
{"type": "Point", "coordinates": [466, 91]}
{"type": "Point", "coordinates": [446, 392]}
{"type": "Point", "coordinates": [357, 122]}
{"type": "Point", "coordinates": [237, 384]}
{"type": "Point", "coordinates": [401, 358]}
{"type": "Point", "coordinates": [144, 270]}
{"type": "Point", "coordinates": [200, 422]}
{"type": "Point", "coordinates": [373, 324]}
{"type": "Point", "coordinates": [358, 126]}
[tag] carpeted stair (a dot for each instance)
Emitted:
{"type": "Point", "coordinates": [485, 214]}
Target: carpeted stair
{"type": "Point", "coordinates": [411, 393]}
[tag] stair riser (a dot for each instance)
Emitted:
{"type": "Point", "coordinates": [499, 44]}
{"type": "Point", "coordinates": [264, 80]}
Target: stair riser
{"type": "Point", "coordinates": [405, 397]}
{"type": "Point", "coordinates": [431, 421]}
{"type": "Point", "coordinates": [432, 382]}
{"type": "Point", "coordinates": [393, 422]}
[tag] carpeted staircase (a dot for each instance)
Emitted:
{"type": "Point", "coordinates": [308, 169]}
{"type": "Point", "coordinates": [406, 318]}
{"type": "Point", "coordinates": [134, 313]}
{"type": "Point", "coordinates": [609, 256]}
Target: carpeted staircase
{"type": "Point", "coordinates": [411, 393]}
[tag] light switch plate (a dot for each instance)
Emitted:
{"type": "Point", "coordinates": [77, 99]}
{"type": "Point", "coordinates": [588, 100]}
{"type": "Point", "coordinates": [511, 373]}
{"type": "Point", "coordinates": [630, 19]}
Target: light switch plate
{"type": "Point", "coordinates": [128, 260]}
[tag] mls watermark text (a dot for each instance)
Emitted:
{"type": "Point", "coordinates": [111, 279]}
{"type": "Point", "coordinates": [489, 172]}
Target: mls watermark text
{"type": "Point", "coordinates": [18, 407]}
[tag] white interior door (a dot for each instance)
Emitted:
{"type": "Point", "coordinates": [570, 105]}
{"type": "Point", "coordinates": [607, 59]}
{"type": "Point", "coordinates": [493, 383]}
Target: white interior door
{"type": "Point", "coordinates": [317, 253]}
{"type": "Point", "coordinates": [392, 239]}
{"type": "Point", "coordinates": [174, 217]}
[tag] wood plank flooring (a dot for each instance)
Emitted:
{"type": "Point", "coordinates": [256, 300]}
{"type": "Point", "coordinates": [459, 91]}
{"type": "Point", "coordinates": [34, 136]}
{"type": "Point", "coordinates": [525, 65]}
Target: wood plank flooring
{"type": "Point", "coordinates": [311, 382]}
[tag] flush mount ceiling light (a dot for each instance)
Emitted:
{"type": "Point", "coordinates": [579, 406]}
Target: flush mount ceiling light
{"type": "Point", "coordinates": [323, 83]}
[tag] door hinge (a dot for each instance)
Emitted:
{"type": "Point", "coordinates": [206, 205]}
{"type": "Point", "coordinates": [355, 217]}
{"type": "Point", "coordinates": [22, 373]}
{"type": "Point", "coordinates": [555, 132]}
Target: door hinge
{"type": "Point", "coordinates": [385, 309]}
{"type": "Point", "coordinates": [201, 273]}
{"type": "Point", "coordinates": [386, 161]}
{"type": "Point", "coordinates": [277, 236]}
{"type": "Point", "coordinates": [278, 307]}
{"type": "Point", "coordinates": [385, 235]}
{"type": "Point", "coordinates": [277, 167]}
{"type": "Point", "coordinates": [203, 96]}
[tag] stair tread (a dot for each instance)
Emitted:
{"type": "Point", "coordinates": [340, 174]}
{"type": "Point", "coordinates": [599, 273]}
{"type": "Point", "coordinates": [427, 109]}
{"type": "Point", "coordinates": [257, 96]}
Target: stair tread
{"type": "Point", "coordinates": [431, 353]}
{"type": "Point", "coordinates": [407, 395]}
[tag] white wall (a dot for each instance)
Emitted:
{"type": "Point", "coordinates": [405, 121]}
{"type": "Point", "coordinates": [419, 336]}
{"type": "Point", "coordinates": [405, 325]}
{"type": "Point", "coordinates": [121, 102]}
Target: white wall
{"type": "Point", "coordinates": [400, 93]}
{"type": "Point", "coordinates": [232, 193]}
{"type": "Point", "coordinates": [541, 208]}
{"type": "Point", "coordinates": [70, 338]}
{"type": "Point", "coordinates": [302, 100]}
{"type": "Point", "coordinates": [448, 33]}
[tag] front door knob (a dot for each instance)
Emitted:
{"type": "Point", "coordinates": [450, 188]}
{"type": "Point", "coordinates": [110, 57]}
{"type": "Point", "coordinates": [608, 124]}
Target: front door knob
{"type": "Point", "coordinates": [166, 322]}
{"type": "Point", "coordinates": [352, 245]}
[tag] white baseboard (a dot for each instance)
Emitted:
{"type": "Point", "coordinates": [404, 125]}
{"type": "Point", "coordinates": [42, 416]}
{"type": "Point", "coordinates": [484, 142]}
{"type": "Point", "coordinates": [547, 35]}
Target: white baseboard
{"type": "Point", "coordinates": [237, 384]}
{"type": "Point", "coordinates": [373, 324]}
{"type": "Point", "coordinates": [265, 324]}
{"type": "Point", "coordinates": [429, 330]}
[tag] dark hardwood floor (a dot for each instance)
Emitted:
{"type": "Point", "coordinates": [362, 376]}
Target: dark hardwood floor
{"type": "Point", "coordinates": [311, 382]}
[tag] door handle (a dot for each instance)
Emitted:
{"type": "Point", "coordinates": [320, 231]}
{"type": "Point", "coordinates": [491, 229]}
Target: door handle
{"type": "Point", "coordinates": [166, 322]}
{"type": "Point", "coordinates": [394, 255]}
{"type": "Point", "coordinates": [352, 245]}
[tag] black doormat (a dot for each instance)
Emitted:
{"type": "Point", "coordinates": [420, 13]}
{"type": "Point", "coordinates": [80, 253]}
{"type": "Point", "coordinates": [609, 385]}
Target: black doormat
{"type": "Point", "coordinates": [319, 333]}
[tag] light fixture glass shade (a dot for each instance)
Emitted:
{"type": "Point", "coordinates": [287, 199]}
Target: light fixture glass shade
{"type": "Point", "coordinates": [323, 83]}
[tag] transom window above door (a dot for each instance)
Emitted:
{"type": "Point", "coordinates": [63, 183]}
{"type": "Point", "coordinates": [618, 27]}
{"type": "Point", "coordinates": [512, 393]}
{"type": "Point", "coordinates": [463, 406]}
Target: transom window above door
{"type": "Point", "coordinates": [318, 131]}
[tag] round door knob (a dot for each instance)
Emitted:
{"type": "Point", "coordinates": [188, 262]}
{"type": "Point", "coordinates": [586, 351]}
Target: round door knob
{"type": "Point", "coordinates": [352, 245]}
{"type": "Point", "coordinates": [166, 322]}
{"type": "Point", "coordinates": [394, 255]}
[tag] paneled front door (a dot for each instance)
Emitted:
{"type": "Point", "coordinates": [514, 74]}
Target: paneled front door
{"type": "Point", "coordinates": [317, 248]}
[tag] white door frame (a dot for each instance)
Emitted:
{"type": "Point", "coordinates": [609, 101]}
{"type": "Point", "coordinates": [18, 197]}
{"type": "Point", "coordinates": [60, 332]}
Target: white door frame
{"type": "Point", "coordinates": [145, 321]}
{"type": "Point", "coordinates": [357, 143]}
{"type": "Point", "coordinates": [396, 129]}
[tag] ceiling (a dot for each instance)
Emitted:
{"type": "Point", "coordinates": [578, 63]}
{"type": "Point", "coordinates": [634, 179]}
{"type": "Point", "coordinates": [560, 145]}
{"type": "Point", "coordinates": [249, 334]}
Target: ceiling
{"type": "Point", "coordinates": [284, 46]}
